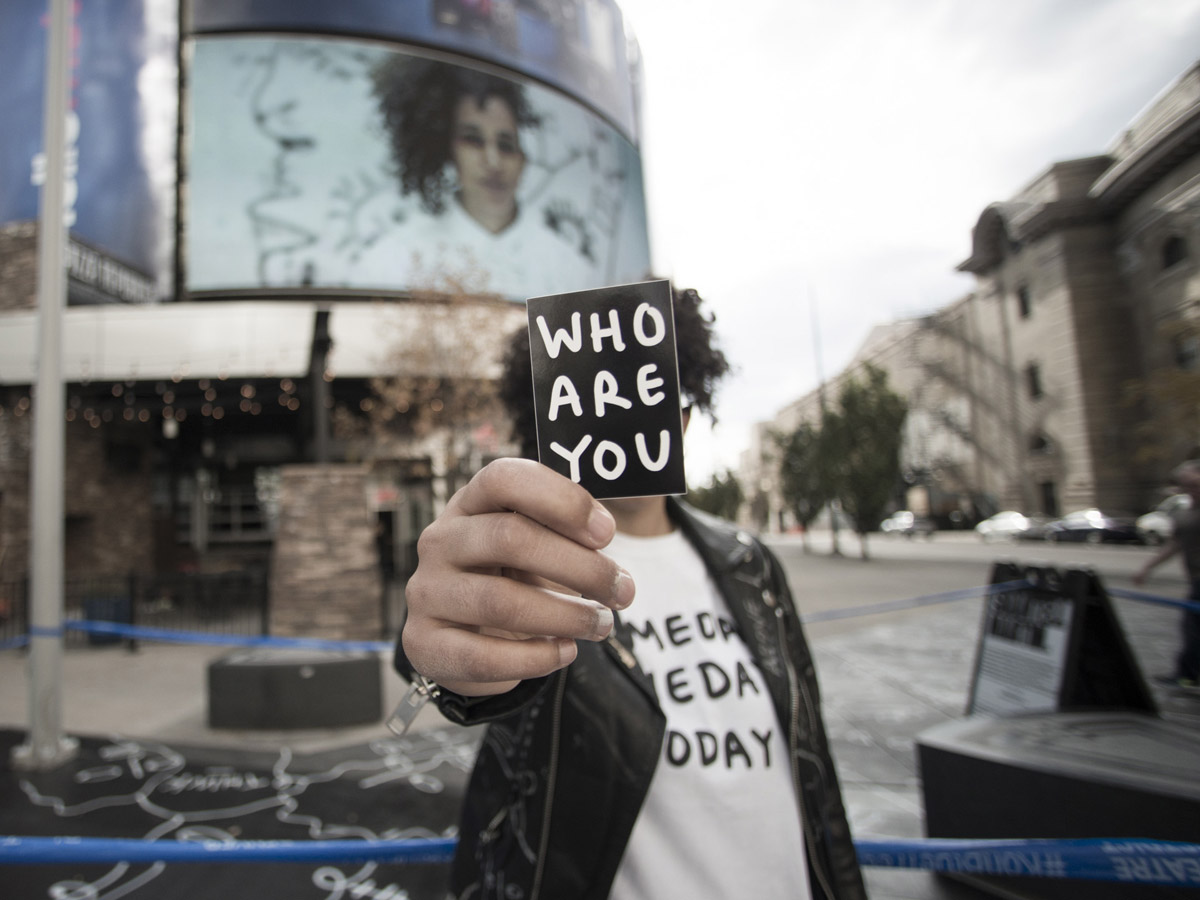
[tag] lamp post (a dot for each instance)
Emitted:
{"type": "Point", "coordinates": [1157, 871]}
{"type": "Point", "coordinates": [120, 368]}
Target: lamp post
{"type": "Point", "coordinates": [47, 746]}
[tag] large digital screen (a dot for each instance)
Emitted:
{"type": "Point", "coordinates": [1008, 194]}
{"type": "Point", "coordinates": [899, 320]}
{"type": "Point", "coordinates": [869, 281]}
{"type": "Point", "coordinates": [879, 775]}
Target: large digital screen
{"type": "Point", "coordinates": [578, 46]}
{"type": "Point", "coordinates": [331, 163]}
{"type": "Point", "coordinates": [115, 206]}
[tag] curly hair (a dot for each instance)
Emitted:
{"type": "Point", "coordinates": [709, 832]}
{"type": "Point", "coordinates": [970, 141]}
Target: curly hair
{"type": "Point", "coordinates": [418, 99]}
{"type": "Point", "coordinates": [702, 365]}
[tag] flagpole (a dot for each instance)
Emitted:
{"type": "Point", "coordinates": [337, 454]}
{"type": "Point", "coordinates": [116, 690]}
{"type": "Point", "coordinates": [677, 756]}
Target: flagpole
{"type": "Point", "coordinates": [47, 746]}
{"type": "Point", "coordinates": [833, 506]}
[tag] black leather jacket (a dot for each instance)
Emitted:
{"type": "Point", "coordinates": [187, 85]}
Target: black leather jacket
{"type": "Point", "coordinates": [567, 759]}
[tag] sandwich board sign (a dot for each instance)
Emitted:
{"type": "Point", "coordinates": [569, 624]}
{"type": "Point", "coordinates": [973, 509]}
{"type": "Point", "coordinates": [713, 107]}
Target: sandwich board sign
{"type": "Point", "coordinates": [606, 389]}
{"type": "Point", "coordinates": [1050, 642]}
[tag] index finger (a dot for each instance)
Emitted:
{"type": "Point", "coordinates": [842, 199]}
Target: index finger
{"type": "Point", "coordinates": [541, 494]}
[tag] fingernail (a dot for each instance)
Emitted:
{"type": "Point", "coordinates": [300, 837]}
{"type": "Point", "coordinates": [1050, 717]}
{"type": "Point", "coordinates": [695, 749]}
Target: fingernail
{"type": "Point", "coordinates": [567, 651]}
{"type": "Point", "coordinates": [604, 622]}
{"type": "Point", "coordinates": [624, 590]}
{"type": "Point", "coordinates": [601, 525]}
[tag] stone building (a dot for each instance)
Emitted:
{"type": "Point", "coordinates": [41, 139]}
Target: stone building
{"type": "Point", "coordinates": [1019, 393]}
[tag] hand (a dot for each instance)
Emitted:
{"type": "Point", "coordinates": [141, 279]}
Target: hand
{"type": "Point", "coordinates": [510, 576]}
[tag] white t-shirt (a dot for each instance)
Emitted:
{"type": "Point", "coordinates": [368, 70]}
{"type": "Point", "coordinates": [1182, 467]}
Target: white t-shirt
{"type": "Point", "coordinates": [720, 819]}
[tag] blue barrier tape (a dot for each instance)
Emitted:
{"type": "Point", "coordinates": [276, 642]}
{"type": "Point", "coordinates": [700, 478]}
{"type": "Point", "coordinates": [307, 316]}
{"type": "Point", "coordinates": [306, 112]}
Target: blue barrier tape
{"type": "Point", "coordinates": [45, 631]}
{"type": "Point", "coordinates": [166, 635]}
{"type": "Point", "coordinates": [1130, 860]}
{"type": "Point", "coordinates": [1141, 597]}
{"type": "Point", "coordinates": [867, 609]}
{"type": "Point", "coordinates": [79, 851]}
{"type": "Point", "coordinates": [1095, 859]}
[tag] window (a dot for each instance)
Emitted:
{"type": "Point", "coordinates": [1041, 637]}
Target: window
{"type": "Point", "coordinates": [1048, 494]}
{"type": "Point", "coordinates": [1024, 302]}
{"type": "Point", "coordinates": [1174, 251]}
{"type": "Point", "coordinates": [1033, 377]}
{"type": "Point", "coordinates": [1187, 352]}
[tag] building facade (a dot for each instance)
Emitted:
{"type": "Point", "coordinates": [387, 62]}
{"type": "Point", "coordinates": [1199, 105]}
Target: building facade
{"type": "Point", "coordinates": [1025, 394]}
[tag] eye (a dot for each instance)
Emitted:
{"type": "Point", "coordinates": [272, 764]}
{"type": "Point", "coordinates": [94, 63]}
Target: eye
{"type": "Point", "coordinates": [507, 144]}
{"type": "Point", "coordinates": [470, 137]}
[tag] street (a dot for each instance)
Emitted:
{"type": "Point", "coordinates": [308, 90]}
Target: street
{"type": "Point", "coordinates": [901, 568]}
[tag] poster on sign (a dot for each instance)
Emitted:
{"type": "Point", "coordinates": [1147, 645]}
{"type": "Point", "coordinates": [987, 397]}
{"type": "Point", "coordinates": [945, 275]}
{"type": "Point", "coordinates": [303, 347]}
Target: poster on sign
{"type": "Point", "coordinates": [606, 389]}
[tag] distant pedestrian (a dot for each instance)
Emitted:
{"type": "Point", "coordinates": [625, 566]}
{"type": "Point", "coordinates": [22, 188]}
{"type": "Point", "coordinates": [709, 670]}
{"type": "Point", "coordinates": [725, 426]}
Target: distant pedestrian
{"type": "Point", "coordinates": [1185, 539]}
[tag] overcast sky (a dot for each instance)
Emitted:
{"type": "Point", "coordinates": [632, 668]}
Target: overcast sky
{"type": "Point", "coordinates": [802, 152]}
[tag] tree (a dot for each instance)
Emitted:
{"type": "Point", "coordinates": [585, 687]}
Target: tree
{"type": "Point", "coordinates": [860, 448]}
{"type": "Point", "coordinates": [1169, 399]}
{"type": "Point", "coordinates": [722, 497]}
{"type": "Point", "coordinates": [803, 483]}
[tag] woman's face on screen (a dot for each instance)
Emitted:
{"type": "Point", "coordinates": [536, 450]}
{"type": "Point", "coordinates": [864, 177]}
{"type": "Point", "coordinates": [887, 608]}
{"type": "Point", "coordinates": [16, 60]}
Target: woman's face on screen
{"type": "Point", "coordinates": [486, 152]}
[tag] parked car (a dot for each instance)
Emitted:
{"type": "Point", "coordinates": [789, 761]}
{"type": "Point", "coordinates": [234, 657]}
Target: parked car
{"type": "Point", "coordinates": [1093, 526]}
{"type": "Point", "coordinates": [1155, 526]}
{"type": "Point", "coordinates": [1011, 525]}
{"type": "Point", "coordinates": [908, 524]}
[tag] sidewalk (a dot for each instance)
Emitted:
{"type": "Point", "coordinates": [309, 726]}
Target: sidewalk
{"type": "Point", "coordinates": [151, 767]}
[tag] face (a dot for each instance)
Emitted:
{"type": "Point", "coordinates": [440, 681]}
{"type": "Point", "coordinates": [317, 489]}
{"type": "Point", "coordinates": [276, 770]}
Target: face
{"type": "Point", "coordinates": [486, 152]}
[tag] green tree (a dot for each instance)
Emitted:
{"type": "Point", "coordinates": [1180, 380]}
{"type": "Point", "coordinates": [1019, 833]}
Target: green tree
{"type": "Point", "coordinates": [803, 483]}
{"type": "Point", "coordinates": [860, 448]}
{"type": "Point", "coordinates": [722, 497]}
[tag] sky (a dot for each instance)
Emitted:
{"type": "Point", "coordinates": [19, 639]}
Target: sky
{"type": "Point", "coordinates": [815, 168]}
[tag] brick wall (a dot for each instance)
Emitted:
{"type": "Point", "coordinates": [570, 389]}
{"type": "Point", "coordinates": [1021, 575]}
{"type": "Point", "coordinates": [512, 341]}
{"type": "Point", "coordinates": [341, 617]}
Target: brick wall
{"type": "Point", "coordinates": [14, 496]}
{"type": "Point", "coordinates": [325, 576]}
{"type": "Point", "coordinates": [18, 266]}
{"type": "Point", "coordinates": [108, 500]}
{"type": "Point", "coordinates": [109, 528]}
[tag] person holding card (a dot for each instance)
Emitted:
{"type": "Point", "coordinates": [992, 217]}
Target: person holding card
{"type": "Point", "coordinates": [664, 745]}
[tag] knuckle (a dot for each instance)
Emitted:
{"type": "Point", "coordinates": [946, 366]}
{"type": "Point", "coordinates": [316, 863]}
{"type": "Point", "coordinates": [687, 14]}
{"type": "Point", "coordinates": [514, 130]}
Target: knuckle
{"type": "Point", "coordinates": [507, 536]}
{"type": "Point", "coordinates": [431, 538]}
{"type": "Point", "coordinates": [492, 476]}
{"type": "Point", "coordinates": [494, 606]}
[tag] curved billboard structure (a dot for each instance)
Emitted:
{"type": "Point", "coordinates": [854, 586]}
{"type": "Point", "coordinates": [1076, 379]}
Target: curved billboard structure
{"type": "Point", "coordinates": [370, 158]}
{"type": "Point", "coordinates": [111, 190]}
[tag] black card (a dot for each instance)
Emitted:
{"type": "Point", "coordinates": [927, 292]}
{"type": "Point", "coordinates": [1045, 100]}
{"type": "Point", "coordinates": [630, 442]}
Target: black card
{"type": "Point", "coordinates": [606, 389]}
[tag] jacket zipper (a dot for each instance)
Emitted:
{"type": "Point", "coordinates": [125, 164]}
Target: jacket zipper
{"type": "Point", "coordinates": [794, 742]}
{"type": "Point", "coordinates": [551, 781]}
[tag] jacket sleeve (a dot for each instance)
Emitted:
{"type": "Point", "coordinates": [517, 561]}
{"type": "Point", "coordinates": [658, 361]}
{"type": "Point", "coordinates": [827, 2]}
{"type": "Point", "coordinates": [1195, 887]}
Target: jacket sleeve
{"type": "Point", "coordinates": [463, 710]}
{"type": "Point", "coordinates": [843, 856]}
